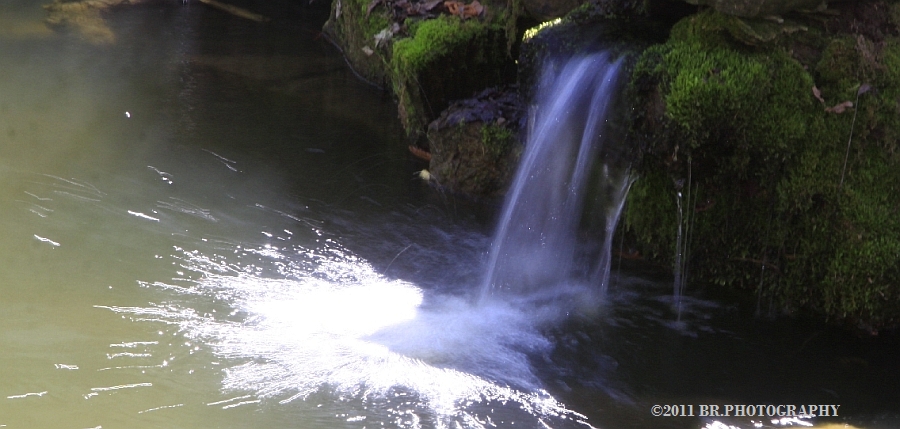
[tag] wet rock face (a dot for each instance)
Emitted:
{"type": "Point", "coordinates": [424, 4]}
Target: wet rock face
{"type": "Point", "coordinates": [757, 8]}
{"type": "Point", "coordinates": [475, 143]}
{"type": "Point", "coordinates": [544, 10]}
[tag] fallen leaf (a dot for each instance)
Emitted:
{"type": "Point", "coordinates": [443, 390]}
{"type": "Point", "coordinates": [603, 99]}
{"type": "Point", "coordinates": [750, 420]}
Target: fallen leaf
{"type": "Point", "coordinates": [382, 37]}
{"type": "Point", "coordinates": [864, 88]}
{"type": "Point", "coordinates": [454, 7]}
{"type": "Point", "coordinates": [368, 50]}
{"type": "Point", "coordinates": [463, 10]}
{"type": "Point", "coordinates": [840, 108]}
{"type": "Point", "coordinates": [818, 94]}
{"type": "Point", "coordinates": [419, 153]}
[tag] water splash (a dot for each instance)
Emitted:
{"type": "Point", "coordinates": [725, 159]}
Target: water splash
{"type": "Point", "coordinates": [535, 242]}
{"type": "Point", "coordinates": [391, 351]}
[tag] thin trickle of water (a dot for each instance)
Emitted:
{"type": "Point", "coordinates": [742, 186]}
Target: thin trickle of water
{"type": "Point", "coordinates": [617, 196]}
{"type": "Point", "coordinates": [678, 285]}
{"type": "Point", "coordinates": [535, 241]}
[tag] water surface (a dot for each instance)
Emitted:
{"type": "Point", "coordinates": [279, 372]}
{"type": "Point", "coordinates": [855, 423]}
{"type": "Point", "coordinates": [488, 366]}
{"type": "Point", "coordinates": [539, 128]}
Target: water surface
{"type": "Point", "coordinates": [210, 222]}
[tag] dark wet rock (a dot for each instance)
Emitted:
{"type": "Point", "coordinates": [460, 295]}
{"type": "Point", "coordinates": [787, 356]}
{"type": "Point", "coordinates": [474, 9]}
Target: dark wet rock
{"type": "Point", "coordinates": [757, 8]}
{"type": "Point", "coordinates": [543, 10]}
{"type": "Point", "coordinates": [475, 143]}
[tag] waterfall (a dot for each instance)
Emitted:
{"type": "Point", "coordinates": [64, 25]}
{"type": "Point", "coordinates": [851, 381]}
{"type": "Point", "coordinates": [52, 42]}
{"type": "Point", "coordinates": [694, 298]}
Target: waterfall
{"type": "Point", "coordinates": [535, 243]}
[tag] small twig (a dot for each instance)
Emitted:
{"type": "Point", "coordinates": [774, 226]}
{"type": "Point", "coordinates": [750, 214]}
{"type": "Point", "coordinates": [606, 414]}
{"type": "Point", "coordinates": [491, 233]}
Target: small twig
{"type": "Point", "coordinates": [395, 258]}
{"type": "Point", "coordinates": [862, 90]}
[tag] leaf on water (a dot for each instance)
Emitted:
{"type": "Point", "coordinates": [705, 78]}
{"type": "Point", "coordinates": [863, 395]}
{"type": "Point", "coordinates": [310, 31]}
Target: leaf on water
{"type": "Point", "coordinates": [818, 94]}
{"type": "Point", "coordinates": [840, 108]}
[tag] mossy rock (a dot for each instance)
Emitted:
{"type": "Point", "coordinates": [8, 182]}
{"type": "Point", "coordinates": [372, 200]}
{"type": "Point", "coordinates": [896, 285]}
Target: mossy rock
{"type": "Point", "coordinates": [428, 59]}
{"type": "Point", "coordinates": [759, 162]}
{"type": "Point", "coordinates": [475, 143]}
{"type": "Point", "coordinates": [618, 27]}
{"type": "Point", "coordinates": [353, 28]}
{"type": "Point", "coordinates": [443, 60]}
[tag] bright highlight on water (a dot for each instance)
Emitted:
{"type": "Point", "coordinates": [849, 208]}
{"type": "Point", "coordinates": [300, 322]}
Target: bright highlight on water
{"type": "Point", "coordinates": [183, 245]}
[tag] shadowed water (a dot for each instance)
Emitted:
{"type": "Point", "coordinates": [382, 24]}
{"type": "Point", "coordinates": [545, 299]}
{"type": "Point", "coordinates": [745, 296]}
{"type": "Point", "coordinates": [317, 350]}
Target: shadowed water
{"type": "Point", "coordinates": [212, 223]}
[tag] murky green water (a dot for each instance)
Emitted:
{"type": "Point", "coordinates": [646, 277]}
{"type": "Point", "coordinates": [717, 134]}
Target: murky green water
{"type": "Point", "coordinates": [210, 223]}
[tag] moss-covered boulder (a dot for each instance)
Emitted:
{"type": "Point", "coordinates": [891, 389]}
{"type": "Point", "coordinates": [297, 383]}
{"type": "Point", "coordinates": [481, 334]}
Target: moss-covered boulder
{"type": "Point", "coordinates": [429, 53]}
{"type": "Point", "coordinates": [780, 159]}
{"type": "Point", "coordinates": [352, 26]}
{"type": "Point", "coordinates": [443, 60]}
{"type": "Point", "coordinates": [475, 143]}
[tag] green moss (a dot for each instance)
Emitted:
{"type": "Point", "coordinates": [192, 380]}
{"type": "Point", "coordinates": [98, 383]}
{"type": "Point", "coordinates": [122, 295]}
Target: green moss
{"type": "Point", "coordinates": [353, 29]}
{"type": "Point", "coordinates": [765, 159]}
{"type": "Point", "coordinates": [444, 59]}
{"type": "Point", "coordinates": [497, 139]}
{"type": "Point", "coordinates": [432, 39]}
{"type": "Point", "coordinates": [653, 221]}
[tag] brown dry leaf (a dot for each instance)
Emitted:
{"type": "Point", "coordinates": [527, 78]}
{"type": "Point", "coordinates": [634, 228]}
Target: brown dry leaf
{"type": "Point", "coordinates": [463, 10]}
{"type": "Point", "coordinates": [840, 108]}
{"type": "Point", "coordinates": [818, 94]}
{"type": "Point", "coordinates": [454, 7]}
{"type": "Point", "coordinates": [419, 153]}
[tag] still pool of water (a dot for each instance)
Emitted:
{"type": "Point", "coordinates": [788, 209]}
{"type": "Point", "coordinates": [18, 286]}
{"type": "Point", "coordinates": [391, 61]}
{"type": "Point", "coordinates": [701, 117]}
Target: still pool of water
{"type": "Point", "coordinates": [208, 222]}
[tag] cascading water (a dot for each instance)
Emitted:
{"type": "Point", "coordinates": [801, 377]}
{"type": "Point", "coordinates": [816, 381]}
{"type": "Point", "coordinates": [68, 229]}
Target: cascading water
{"type": "Point", "coordinates": [535, 242]}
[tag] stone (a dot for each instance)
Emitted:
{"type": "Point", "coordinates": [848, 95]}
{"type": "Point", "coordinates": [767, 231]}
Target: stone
{"type": "Point", "coordinates": [757, 8]}
{"type": "Point", "coordinates": [475, 143]}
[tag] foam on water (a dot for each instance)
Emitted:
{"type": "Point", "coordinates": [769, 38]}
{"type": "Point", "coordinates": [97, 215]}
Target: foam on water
{"type": "Point", "coordinates": [387, 347]}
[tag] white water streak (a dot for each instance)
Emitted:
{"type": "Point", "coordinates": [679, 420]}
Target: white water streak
{"type": "Point", "coordinates": [46, 240]}
{"type": "Point", "coordinates": [142, 215]}
{"type": "Point", "coordinates": [66, 367]}
{"type": "Point", "coordinates": [133, 344]}
{"type": "Point", "coordinates": [25, 395]}
{"type": "Point", "coordinates": [225, 401]}
{"type": "Point", "coordinates": [120, 387]}
{"type": "Point", "coordinates": [256, 401]}
{"type": "Point", "coordinates": [161, 408]}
